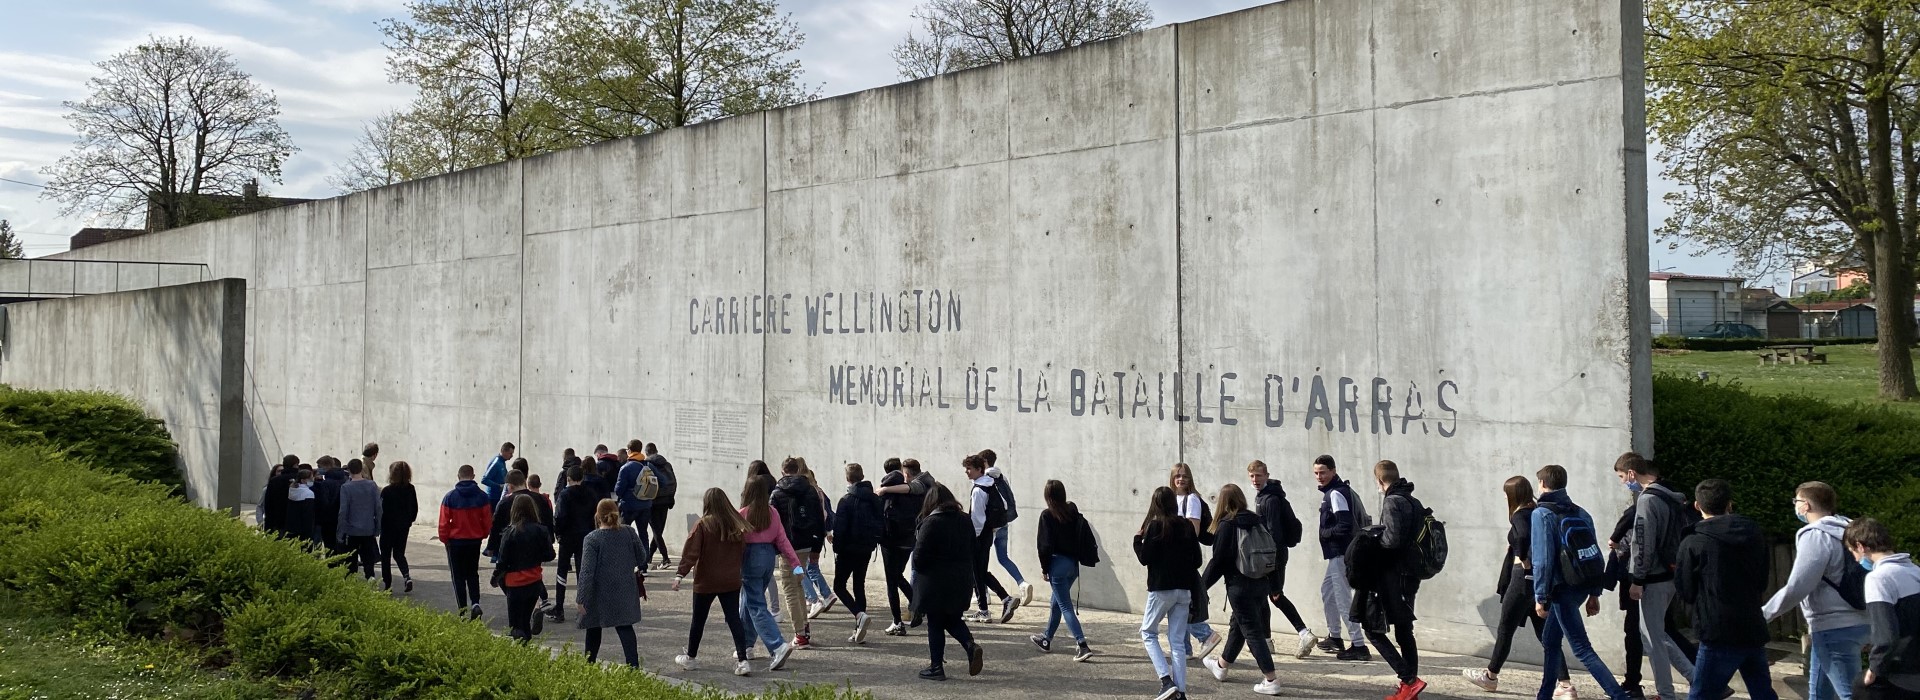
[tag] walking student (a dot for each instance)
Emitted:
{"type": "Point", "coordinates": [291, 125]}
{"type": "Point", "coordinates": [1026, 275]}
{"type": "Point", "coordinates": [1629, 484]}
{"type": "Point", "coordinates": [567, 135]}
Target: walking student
{"type": "Point", "coordinates": [1005, 486]}
{"type": "Point", "coordinates": [1567, 570]}
{"type": "Point", "coordinates": [1893, 606]}
{"type": "Point", "coordinates": [1515, 589]}
{"type": "Point", "coordinates": [359, 518]}
{"type": "Point", "coordinates": [1389, 597]}
{"type": "Point", "coordinates": [273, 501]}
{"type": "Point", "coordinates": [503, 511]}
{"type": "Point", "coordinates": [399, 507]}
{"type": "Point", "coordinates": [714, 552]}
{"type": "Point", "coordinates": [766, 535]}
{"type": "Point", "coordinates": [989, 514]}
{"type": "Point", "coordinates": [898, 491]}
{"type": "Point", "coordinates": [610, 589]}
{"type": "Point", "coordinates": [1722, 571]}
{"type": "Point", "coordinates": [1820, 563]}
{"type": "Point", "coordinates": [576, 516]}
{"type": "Point", "coordinates": [1167, 545]}
{"type": "Point", "coordinates": [636, 488]}
{"type": "Point", "coordinates": [662, 503]}
{"type": "Point", "coordinates": [465, 517]}
{"type": "Point", "coordinates": [1186, 494]}
{"type": "Point", "coordinates": [945, 559]}
{"type": "Point", "coordinates": [1678, 646]}
{"type": "Point", "coordinates": [858, 526]}
{"type": "Point", "coordinates": [300, 526]}
{"type": "Point", "coordinates": [1341, 515]}
{"type": "Point", "coordinates": [800, 511]}
{"type": "Point", "coordinates": [495, 479]}
{"type": "Point", "coordinates": [523, 547]}
{"type": "Point", "coordinates": [820, 596]}
{"type": "Point", "coordinates": [1270, 502]}
{"type": "Point", "coordinates": [1066, 544]}
{"type": "Point", "coordinates": [1242, 546]}
{"type": "Point", "coordinates": [1653, 548]}
{"type": "Point", "coordinates": [329, 479]}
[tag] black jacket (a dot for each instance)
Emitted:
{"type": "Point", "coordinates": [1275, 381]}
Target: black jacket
{"type": "Point", "coordinates": [1226, 559]}
{"type": "Point", "coordinates": [1171, 555]}
{"type": "Point", "coordinates": [1722, 571]}
{"type": "Point", "coordinates": [525, 547]}
{"type": "Point", "coordinates": [573, 515]}
{"type": "Point", "coordinates": [399, 507]}
{"type": "Point", "coordinates": [789, 494]}
{"type": "Point", "coordinates": [1073, 538]}
{"type": "Point", "coordinates": [1271, 503]}
{"type": "Point", "coordinates": [326, 501]}
{"type": "Point", "coordinates": [1337, 529]}
{"type": "Point", "coordinates": [1519, 544]}
{"type": "Point", "coordinates": [669, 484]}
{"type": "Point", "coordinates": [273, 506]}
{"type": "Point", "coordinates": [943, 563]}
{"type": "Point", "coordinates": [503, 514]}
{"type": "Point", "coordinates": [858, 517]}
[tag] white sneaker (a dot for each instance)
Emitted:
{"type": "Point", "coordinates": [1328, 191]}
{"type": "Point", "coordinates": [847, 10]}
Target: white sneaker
{"type": "Point", "coordinates": [814, 609]}
{"type": "Point", "coordinates": [687, 663]}
{"type": "Point", "coordinates": [743, 669]}
{"type": "Point", "coordinates": [1481, 679]}
{"type": "Point", "coordinates": [1208, 646]}
{"type": "Point", "coordinates": [1565, 692]}
{"type": "Point", "coordinates": [859, 629]}
{"type": "Point", "coordinates": [780, 657]}
{"type": "Point", "coordinates": [1307, 640]}
{"type": "Point", "coordinates": [1214, 666]}
{"type": "Point", "coordinates": [1271, 687]}
{"type": "Point", "coordinates": [1026, 593]}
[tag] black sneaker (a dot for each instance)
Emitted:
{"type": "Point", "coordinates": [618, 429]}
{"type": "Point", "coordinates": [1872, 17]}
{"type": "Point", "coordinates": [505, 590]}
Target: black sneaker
{"type": "Point", "coordinates": [1083, 652]}
{"type": "Point", "coordinates": [1357, 653]}
{"type": "Point", "coordinates": [538, 622]}
{"type": "Point", "coordinates": [1044, 644]}
{"type": "Point", "coordinates": [1331, 645]}
{"type": "Point", "coordinates": [409, 586]}
{"type": "Point", "coordinates": [976, 658]}
{"type": "Point", "coordinates": [1634, 693]}
{"type": "Point", "coordinates": [1724, 694]}
{"type": "Point", "coordinates": [935, 672]}
{"type": "Point", "coordinates": [1167, 689]}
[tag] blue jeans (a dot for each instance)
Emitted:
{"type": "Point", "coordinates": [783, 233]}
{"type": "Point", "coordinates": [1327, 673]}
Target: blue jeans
{"type": "Point", "coordinates": [1062, 572]}
{"type": "Point", "coordinates": [1172, 607]}
{"type": "Point", "coordinates": [1564, 622]}
{"type": "Point", "coordinates": [1714, 666]}
{"type": "Point", "coordinates": [756, 571]}
{"type": "Point", "coordinates": [1835, 658]}
{"type": "Point", "coordinates": [814, 584]}
{"type": "Point", "coordinates": [1006, 562]}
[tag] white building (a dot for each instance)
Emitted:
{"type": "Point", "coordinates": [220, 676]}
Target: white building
{"type": "Point", "coordinates": [1685, 304]}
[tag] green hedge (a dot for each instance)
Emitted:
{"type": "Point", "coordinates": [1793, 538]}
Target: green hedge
{"type": "Point", "coordinates": [104, 430]}
{"type": "Point", "coordinates": [123, 559]}
{"type": "Point", "coordinates": [1767, 445]}
{"type": "Point", "coordinates": [1674, 342]}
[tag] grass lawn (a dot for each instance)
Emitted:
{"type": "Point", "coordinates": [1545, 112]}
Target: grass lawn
{"type": "Point", "coordinates": [40, 659]}
{"type": "Point", "coordinates": [1850, 374]}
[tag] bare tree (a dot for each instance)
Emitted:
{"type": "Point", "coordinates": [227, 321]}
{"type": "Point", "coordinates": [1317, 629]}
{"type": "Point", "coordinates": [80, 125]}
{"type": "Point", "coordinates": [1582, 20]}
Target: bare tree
{"type": "Point", "coordinates": [961, 34]}
{"type": "Point", "coordinates": [481, 56]}
{"type": "Point", "coordinates": [167, 122]}
{"type": "Point", "coordinates": [372, 163]}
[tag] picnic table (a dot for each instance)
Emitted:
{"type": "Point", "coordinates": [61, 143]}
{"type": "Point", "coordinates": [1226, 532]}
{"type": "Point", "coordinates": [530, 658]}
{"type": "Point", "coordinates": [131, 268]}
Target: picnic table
{"type": "Point", "coordinates": [1791, 354]}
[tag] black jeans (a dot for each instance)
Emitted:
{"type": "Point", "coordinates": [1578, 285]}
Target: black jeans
{"type": "Point", "coordinates": [894, 560]}
{"type": "Point", "coordinates": [851, 564]}
{"type": "Point", "coordinates": [365, 550]}
{"type": "Point", "coordinates": [1250, 624]}
{"type": "Point", "coordinates": [658, 522]}
{"type": "Point", "coordinates": [1283, 603]}
{"type": "Point", "coordinates": [463, 564]}
{"type": "Point", "coordinates": [983, 579]}
{"type": "Point", "coordinates": [393, 548]}
{"type": "Point", "coordinates": [1516, 611]}
{"type": "Point", "coordinates": [520, 602]}
{"type": "Point", "coordinates": [628, 645]}
{"type": "Point", "coordinates": [1391, 606]}
{"type": "Point", "coordinates": [729, 609]}
{"type": "Point", "coordinates": [941, 625]}
{"type": "Point", "coordinates": [569, 557]}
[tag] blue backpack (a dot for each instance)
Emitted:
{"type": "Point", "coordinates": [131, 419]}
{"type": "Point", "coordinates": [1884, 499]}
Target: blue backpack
{"type": "Point", "coordinates": [1582, 564]}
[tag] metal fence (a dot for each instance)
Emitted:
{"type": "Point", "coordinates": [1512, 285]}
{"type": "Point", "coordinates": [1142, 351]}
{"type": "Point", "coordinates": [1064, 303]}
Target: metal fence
{"type": "Point", "coordinates": [39, 278]}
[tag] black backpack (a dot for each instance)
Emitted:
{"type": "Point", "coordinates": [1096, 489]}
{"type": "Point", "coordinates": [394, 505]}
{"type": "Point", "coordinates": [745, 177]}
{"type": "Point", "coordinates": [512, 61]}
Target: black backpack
{"type": "Point", "coordinates": [996, 508]}
{"type": "Point", "coordinates": [1581, 562]}
{"type": "Point", "coordinates": [1290, 528]}
{"type": "Point", "coordinates": [1429, 554]}
{"type": "Point", "coordinates": [1852, 586]}
{"type": "Point", "coordinates": [806, 518]}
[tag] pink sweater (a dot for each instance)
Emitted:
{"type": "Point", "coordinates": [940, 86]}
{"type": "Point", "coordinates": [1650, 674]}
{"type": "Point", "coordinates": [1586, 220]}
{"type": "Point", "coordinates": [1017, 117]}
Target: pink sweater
{"type": "Point", "coordinates": [775, 534]}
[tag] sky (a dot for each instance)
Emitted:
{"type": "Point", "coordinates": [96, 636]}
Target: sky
{"type": "Point", "coordinates": [325, 62]}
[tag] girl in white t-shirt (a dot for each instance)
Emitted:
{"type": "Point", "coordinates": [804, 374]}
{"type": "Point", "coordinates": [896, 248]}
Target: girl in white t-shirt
{"type": "Point", "coordinates": [1186, 495]}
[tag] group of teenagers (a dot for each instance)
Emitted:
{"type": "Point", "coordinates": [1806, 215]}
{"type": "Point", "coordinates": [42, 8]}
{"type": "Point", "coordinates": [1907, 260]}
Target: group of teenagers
{"type": "Point", "coordinates": [604, 521]}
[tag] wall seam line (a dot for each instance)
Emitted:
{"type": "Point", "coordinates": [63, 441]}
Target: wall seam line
{"type": "Point", "coordinates": [1179, 254]}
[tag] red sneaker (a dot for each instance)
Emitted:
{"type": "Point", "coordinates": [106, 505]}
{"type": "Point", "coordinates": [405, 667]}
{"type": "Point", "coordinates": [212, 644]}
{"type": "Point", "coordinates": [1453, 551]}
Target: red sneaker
{"type": "Point", "coordinates": [1411, 691]}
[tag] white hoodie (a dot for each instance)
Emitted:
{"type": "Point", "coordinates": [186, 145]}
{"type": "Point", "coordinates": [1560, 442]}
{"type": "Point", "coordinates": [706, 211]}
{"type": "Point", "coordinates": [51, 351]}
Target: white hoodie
{"type": "Point", "coordinates": [1817, 555]}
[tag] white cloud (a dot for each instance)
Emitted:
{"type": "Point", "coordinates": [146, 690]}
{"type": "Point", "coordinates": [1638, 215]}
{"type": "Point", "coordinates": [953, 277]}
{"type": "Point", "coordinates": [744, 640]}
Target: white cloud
{"type": "Point", "coordinates": [389, 7]}
{"type": "Point", "coordinates": [263, 9]}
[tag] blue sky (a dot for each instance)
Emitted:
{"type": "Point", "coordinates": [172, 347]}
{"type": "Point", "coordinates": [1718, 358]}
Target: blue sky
{"type": "Point", "coordinates": [324, 60]}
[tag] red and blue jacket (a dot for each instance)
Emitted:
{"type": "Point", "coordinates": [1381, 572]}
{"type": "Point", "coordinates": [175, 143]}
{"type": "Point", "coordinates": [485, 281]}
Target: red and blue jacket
{"type": "Point", "coordinates": [465, 513]}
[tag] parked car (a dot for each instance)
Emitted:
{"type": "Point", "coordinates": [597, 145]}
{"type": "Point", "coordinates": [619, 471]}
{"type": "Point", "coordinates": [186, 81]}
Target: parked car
{"type": "Point", "coordinates": [1725, 329]}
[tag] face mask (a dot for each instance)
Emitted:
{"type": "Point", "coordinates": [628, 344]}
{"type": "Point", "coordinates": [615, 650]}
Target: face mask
{"type": "Point", "coordinates": [1866, 563]}
{"type": "Point", "coordinates": [1634, 486]}
{"type": "Point", "coordinates": [1801, 516]}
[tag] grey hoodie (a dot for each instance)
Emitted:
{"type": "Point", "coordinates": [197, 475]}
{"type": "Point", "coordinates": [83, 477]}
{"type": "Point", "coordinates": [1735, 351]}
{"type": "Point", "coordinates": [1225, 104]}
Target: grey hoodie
{"type": "Point", "coordinates": [1655, 543]}
{"type": "Point", "coordinates": [1817, 555]}
{"type": "Point", "coordinates": [359, 509]}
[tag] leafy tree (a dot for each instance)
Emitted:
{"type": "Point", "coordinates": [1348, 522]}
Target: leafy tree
{"type": "Point", "coordinates": [962, 34]}
{"type": "Point", "coordinates": [167, 122]}
{"type": "Point", "coordinates": [476, 59]}
{"type": "Point", "coordinates": [638, 66]}
{"type": "Point", "coordinates": [10, 247]}
{"type": "Point", "coordinates": [1792, 126]}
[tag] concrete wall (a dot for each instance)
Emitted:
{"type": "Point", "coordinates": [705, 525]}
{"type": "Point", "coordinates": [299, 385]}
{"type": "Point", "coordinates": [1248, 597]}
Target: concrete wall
{"type": "Point", "coordinates": [1410, 230]}
{"type": "Point", "coordinates": [177, 351]}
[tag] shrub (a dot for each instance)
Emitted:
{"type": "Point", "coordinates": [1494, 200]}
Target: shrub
{"type": "Point", "coordinates": [105, 430]}
{"type": "Point", "coordinates": [1767, 445]}
{"type": "Point", "coordinates": [1674, 342]}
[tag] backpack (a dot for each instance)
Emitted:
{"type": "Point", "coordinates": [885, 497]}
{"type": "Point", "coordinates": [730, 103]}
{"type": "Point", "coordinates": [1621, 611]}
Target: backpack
{"type": "Point", "coordinates": [996, 508]}
{"type": "Point", "coordinates": [1361, 520]}
{"type": "Point", "coordinates": [668, 484]}
{"type": "Point", "coordinates": [647, 487]}
{"type": "Point", "coordinates": [1581, 563]}
{"type": "Point", "coordinates": [1006, 494]}
{"type": "Point", "coordinates": [1290, 527]}
{"type": "Point", "coordinates": [1853, 581]}
{"type": "Point", "coordinates": [1429, 547]}
{"type": "Point", "coordinates": [1258, 556]}
{"type": "Point", "coordinates": [1089, 554]}
{"type": "Point", "coordinates": [806, 519]}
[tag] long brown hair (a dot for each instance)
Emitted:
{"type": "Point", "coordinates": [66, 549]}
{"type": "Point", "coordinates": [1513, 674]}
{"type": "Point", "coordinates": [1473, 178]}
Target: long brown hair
{"type": "Point", "coordinates": [1178, 469]}
{"type": "Point", "coordinates": [938, 498]}
{"type": "Point", "coordinates": [754, 498]}
{"type": "Point", "coordinates": [1519, 494]}
{"type": "Point", "coordinates": [719, 517]}
{"type": "Point", "coordinates": [1163, 509]}
{"type": "Point", "coordinates": [1056, 495]}
{"type": "Point", "coordinates": [524, 511]}
{"type": "Point", "coordinates": [1231, 503]}
{"type": "Point", "coordinates": [399, 473]}
{"type": "Point", "coordinates": [606, 513]}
